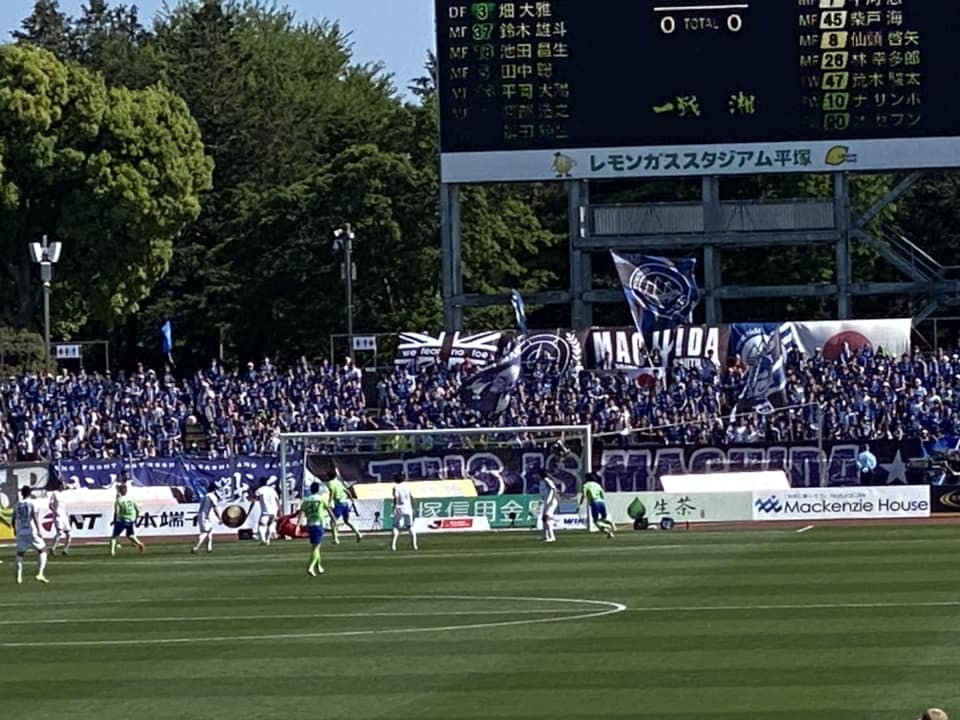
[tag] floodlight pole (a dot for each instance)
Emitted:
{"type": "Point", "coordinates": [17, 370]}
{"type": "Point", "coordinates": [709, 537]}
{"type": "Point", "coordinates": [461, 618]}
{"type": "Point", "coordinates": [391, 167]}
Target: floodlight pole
{"type": "Point", "coordinates": [46, 255]}
{"type": "Point", "coordinates": [343, 239]}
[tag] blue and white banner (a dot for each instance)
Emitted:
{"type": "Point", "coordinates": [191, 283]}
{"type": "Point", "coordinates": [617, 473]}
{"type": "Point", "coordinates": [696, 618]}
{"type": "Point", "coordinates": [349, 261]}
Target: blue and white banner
{"type": "Point", "coordinates": [233, 476]}
{"type": "Point", "coordinates": [661, 293]}
{"type": "Point", "coordinates": [765, 389]}
{"type": "Point", "coordinates": [489, 391]}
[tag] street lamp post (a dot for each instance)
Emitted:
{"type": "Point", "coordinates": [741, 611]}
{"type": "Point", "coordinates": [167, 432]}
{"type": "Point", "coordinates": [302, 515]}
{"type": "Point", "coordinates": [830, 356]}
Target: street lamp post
{"type": "Point", "coordinates": [46, 255]}
{"type": "Point", "coordinates": [343, 240]}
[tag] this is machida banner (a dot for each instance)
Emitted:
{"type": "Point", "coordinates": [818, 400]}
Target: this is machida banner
{"type": "Point", "coordinates": [493, 471]}
{"type": "Point", "coordinates": [497, 470]}
{"type": "Point", "coordinates": [638, 469]}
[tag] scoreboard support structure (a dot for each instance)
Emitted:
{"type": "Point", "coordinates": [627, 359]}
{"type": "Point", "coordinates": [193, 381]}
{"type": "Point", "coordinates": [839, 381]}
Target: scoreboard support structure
{"type": "Point", "coordinates": [711, 227]}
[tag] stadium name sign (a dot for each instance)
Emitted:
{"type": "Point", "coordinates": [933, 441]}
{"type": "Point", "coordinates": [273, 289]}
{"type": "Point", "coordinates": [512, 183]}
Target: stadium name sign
{"type": "Point", "coordinates": [860, 503]}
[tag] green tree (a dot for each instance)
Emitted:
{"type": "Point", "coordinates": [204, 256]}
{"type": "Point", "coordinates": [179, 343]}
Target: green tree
{"type": "Point", "coordinates": [48, 27]}
{"type": "Point", "coordinates": [113, 173]}
{"type": "Point", "coordinates": [278, 103]}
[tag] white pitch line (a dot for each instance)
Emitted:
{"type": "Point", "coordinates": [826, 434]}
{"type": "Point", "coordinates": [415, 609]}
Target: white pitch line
{"type": "Point", "coordinates": [273, 616]}
{"type": "Point", "coordinates": [809, 606]}
{"type": "Point", "coordinates": [804, 529]}
{"type": "Point", "coordinates": [203, 560]}
{"type": "Point", "coordinates": [207, 599]}
{"type": "Point", "coordinates": [608, 608]}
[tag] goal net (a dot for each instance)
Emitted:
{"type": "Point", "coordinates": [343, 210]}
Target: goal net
{"type": "Point", "coordinates": [474, 465]}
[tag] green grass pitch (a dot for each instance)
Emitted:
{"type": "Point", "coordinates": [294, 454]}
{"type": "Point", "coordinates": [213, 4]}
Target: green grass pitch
{"type": "Point", "coordinates": [853, 623]}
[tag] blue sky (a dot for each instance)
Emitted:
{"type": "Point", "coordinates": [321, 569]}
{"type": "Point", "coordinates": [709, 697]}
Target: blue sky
{"type": "Point", "coordinates": [395, 32]}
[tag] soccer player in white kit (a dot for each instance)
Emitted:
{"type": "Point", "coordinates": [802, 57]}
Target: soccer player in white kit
{"type": "Point", "coordinates": [402, 510]}
{"type": "Point", "coordinates": [269, 503]}
{"type": "Point", "coordinates": [550, 499]}
{"type": "Point", "coordinates": [61, 519]}
{"type": "Point", "coordinates": [207, 516]}
{"type": "Point", "coordinates": [26, 524]}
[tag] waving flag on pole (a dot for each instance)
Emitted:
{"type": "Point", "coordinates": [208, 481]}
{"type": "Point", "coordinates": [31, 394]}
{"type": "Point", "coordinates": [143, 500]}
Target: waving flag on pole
{"type": "Point", "coordinates": [489, 391]}
{"type": "Point", "coordinates": [766, 387]}
{"type": "Point", "coordinates": [166, 333]}
{"type": "Point", "coordinates": [520, 310]}
{"type": "Point", "coordinates": [661, 293]}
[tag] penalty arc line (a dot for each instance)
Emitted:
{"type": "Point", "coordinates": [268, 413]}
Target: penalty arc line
{"type": "Point", "coordinates": [607, 608]}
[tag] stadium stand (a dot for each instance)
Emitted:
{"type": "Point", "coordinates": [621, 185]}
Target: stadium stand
{"type": "Point", "coordinates": [219, 412]}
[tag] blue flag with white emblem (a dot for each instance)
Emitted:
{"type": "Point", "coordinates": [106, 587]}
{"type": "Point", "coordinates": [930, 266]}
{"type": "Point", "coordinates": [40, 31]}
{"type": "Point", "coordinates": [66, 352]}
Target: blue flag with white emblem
{"type": "Point", "coordinates": [661, 293]}
{"type": "Point", "coordinates": [519, 310]}
{"type": "Point", "coordinates": [766, 386]}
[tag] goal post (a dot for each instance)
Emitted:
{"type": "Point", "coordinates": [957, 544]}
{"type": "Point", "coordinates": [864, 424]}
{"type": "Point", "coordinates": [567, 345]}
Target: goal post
{"type": "Point", "coordinates": [496, 460]}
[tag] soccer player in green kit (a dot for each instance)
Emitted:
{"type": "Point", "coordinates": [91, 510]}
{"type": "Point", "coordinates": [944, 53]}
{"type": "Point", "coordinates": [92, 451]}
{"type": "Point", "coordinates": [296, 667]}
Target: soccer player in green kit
{"type": "Point", "coordinates": [125, 514]}
{"type": "Point", "coordinates": [593, 494]}
{"type": "Point", "coordinates": [316, 509]}
{"type": "Point", "coordinates": [340, 497]}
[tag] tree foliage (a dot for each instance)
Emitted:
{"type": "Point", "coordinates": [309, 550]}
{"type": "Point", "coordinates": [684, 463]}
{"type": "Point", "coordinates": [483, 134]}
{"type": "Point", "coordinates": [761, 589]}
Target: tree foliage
{"type": "Point", "coordinates": [102, 150]}
{"type": "Point", "coordinates": [112, 173]}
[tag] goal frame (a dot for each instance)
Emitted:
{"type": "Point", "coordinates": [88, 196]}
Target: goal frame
{"type": "Point", "coordinates": [586, 431]}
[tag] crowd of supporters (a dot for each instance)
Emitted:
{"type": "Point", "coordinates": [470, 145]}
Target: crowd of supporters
{"type": "Point", "coordinates": [220, 412]}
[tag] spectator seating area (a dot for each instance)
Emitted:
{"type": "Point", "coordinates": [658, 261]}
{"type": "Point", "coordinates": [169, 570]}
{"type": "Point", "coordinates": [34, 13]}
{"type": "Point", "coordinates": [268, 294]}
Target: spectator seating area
{"type": "Point", "coordinates": [220, 412]}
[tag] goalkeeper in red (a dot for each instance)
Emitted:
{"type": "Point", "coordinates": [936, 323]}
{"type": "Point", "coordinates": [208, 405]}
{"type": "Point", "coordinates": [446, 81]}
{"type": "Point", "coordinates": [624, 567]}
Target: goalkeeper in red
{"type": "Point", "coordinates": [315, 508]}
{"type": "Point", "coordinates": [340, 497]}
{"type": "Point", "coordinates": [593, 494]}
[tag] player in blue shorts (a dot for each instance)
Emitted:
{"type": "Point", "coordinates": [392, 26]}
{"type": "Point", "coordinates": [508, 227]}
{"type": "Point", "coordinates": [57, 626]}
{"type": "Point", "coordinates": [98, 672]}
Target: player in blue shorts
{"type": "Point", "coordinates": [340, 497]}
{"type": "Point", "coordinates": [316, 509]}
{"type": "Point", "coordinates": [125, 514]}
{"type": "Point", "coordinates": [593, 494]}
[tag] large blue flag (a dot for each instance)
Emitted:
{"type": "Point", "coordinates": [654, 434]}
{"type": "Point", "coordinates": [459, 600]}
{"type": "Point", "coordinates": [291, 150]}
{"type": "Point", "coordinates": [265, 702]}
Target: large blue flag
{"type": "Point", "coordinates": [661, 293]}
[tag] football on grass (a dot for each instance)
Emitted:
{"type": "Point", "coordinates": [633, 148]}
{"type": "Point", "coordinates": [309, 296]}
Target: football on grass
{"type": "Point", "coordinates": [233, 516]}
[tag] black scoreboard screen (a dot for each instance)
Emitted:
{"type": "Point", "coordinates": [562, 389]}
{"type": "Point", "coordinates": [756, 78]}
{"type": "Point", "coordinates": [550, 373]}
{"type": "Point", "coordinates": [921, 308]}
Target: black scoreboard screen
{"type": "Point", "coordinates": [625, 77]}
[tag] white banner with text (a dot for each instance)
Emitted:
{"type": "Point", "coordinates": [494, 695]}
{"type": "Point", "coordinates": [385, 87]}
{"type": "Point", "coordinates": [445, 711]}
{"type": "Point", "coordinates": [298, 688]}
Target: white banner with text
{"type": "Point", "coordinates": [850, 503]}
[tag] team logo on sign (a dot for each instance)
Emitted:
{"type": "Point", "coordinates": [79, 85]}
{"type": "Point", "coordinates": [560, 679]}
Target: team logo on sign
{"type": "Point", "coordinates": [840, 155]}
{"type": "Point", "coordinates": [550, 348]}
{"type": "Point", "coordinates": [768, 505]}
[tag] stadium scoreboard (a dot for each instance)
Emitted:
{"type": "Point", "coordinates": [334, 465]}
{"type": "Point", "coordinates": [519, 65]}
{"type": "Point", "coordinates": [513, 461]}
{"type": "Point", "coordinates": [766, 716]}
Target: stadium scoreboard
{"type": "Point", "coordinates": [538, 89]}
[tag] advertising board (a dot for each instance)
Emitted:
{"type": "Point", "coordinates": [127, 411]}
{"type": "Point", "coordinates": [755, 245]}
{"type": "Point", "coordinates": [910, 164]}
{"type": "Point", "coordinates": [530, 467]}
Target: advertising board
{"type": "Point", "coordinates": [945, 499]}
{"type": "Point", "coordinates": [852, 503]}
{"type": "Point", "coordinates": [498, 512]}
{"type": "Point", "coordinates": [681, 507]}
